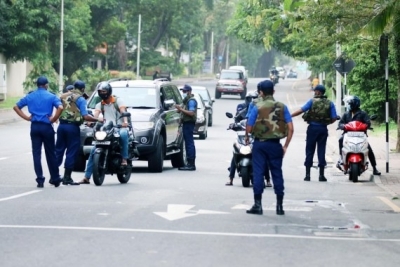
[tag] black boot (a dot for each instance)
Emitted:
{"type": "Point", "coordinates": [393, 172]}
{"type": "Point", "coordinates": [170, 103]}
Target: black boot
{"type": "Point", "coordinates": [308, 177]}
{"type": "Point", "coordinates": [321, 174]}
{"type": "Point", "coordinates": [375, 171]}
{"type": "Point", "coordinates": [279, 205]}
{"type": "Point", "coordinates": [257, 207]}
{"type": "Point", "coordinates": [189, 167]}
{"type": "Point", "coordinates": [67, 180]}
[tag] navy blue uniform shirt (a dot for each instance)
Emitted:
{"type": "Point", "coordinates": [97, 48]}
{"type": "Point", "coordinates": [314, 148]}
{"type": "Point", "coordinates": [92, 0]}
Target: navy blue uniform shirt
{"type": "Point", "coordinates": [40, 104]}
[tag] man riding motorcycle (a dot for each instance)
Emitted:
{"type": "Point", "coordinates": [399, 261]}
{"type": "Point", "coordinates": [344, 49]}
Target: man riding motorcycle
{"type": "Point", "coordinates": [355, 114]}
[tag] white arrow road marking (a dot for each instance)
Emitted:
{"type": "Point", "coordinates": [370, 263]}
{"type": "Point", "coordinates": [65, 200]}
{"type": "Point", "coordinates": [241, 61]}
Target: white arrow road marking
{"type": "Point", "coordinates": [20, 195]}
{"type": "Point", "coordinates": [3, 158]}
{"type": "Point", "coordinates": [176, 212]}
{"type": "Point", "coordinates": [241, 207]}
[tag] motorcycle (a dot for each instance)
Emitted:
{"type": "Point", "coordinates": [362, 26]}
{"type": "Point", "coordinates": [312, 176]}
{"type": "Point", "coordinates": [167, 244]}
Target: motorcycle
{"type": "Point", "coordinates": [107, 157]}
{"type": "Point", "coordinates": [274, 78]}
{"type": "Point", "coordinates": [355, 149]}
{"type": "Point", "coordinates": [242, 153]}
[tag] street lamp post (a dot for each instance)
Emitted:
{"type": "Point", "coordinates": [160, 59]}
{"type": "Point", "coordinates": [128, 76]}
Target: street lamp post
{"type": "Point", "coordinates": [61, 74]}
{"type": "Point", "coordinates": [138, 48]}
{"type": "Point", "coordinates": [212, 52]}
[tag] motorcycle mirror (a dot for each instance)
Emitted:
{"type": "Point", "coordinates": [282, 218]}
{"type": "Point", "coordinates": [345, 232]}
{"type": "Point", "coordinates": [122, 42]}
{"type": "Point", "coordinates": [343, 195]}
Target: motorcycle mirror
{"type": "Point", "coordinates": [373, 117]}
{"type": "Point", "coordinates": [229, 115]}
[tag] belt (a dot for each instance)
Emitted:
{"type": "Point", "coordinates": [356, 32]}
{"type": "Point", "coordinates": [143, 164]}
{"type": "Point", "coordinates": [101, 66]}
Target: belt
{"type": "Point", "coordinates": [69, 122]}
{"type": "Point", "coordinates": [274, 140]}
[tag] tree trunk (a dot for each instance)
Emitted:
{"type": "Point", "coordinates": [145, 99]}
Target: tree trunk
{"type": "Point", "coordinates": [162, 27]}
{"type": "Point", "coordinates": [122, 55]}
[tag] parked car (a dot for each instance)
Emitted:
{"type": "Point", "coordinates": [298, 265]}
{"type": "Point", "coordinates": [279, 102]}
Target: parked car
{"type": "Point", "coordinates": [208, 101]}
{"type": "Point", "coordinates": [241, 68]}
{"type": "Point", "coordinates": [292, 74]}
{"type": "Point", "coordinates": [154, 118]}
{"type": "Point", "coordinates": [231, 82]}
{"type": "Point", "coordinates": [282, 72]}
{"type": "Point", "coordinates": [201, 126]}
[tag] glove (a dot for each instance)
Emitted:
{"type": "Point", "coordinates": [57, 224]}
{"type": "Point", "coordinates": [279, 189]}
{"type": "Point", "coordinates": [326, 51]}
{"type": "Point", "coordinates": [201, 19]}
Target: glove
{"type": "Point", "coordinates": [341, 127]}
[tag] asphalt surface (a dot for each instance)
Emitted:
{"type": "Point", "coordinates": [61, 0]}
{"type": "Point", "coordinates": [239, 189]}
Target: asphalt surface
{"type": "Point", "coordinates": [191, 218]}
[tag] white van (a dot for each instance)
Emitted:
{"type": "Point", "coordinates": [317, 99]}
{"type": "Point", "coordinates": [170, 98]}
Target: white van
{"type": "Point", "coordinates": [242, 68]}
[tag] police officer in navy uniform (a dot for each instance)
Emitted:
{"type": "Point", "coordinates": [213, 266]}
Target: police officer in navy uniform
{"type": "Point", "coordinates": [268, 122]}
{"type": "Point", "coordinates": [68, 132]}
{"type": "Point", "coordinates": [188, 120]}
{"type": "Point", "coordinates": [320, 112]}
{"type": "Point", "coordinates": [68, 88]}
{"type": "Point", "coordinates": [40, 105]}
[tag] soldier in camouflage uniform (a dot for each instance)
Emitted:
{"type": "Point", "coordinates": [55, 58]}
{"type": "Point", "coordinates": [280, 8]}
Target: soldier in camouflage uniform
{"type": "Point", "coordinates": [319, 112]}
{"type": "Point", "coordinates": [68, 133]}
{"type": "Point", "coordinates": [268, 122]}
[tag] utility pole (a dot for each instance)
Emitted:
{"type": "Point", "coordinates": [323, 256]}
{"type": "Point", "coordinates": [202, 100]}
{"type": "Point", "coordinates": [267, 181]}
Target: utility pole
{"type": "Point", "coordinates": [237, 57]}
{"type": "Point", "coordinates": [338, 78]}
{"type": "Point", "coordinates": [227, 56]}
{"type": "Point", "coordinates": [190, 54]}
{"type": "Point", "coordinates": [212, 52]}
{"type": "Point", "coordinates": [138, 48]}
{"type": "Point", "coordinates": [61, 73]}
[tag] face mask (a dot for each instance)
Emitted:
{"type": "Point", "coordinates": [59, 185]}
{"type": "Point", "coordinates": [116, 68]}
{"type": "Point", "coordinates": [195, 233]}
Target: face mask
{"type": "Point", "coordinates": [103, 96]}
{"type": "Point", "coordinates": [184, 95]}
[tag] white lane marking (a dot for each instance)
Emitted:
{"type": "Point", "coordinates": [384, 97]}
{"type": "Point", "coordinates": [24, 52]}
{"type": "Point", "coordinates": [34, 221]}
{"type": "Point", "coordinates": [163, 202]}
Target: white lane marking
{"type": "Point", "coordinates": [3, 158]}
{"type": "Point", "coordinates": [394, 207]}
{"type": "Point", "coordinates": [20, 195]}
{"type": "Point", "coordinates": [160, 231]}
{"type": "Point", "coordinates": [286, 207]}
{"type": "Point", "coordinates": [176, 212]}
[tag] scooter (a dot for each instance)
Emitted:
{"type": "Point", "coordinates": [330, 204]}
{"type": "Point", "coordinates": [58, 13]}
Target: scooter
{"type": "Point", "coordinates": [242, 152]}
{"type": "Point", "coordinates": [355, 149]}
{"type": "Point", "coordinates": [274, 78]}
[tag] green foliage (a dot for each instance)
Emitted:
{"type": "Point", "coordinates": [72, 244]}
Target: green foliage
{"type": "Point", "coordinates": [9, 102]}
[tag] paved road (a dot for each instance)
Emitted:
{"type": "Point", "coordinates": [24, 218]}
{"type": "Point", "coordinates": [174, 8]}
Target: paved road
{"type": "Point", "coordinates": [180, 219]}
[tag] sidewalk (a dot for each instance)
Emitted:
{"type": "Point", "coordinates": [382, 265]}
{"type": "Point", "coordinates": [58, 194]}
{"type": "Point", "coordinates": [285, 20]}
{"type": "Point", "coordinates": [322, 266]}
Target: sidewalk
{"type": "Point", "coordinates": [9, 116]}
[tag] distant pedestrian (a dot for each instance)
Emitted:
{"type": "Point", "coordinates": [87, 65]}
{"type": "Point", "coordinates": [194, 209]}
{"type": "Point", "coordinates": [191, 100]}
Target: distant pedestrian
{"type": "Point", "coordinates": [188, 120]}
{"type": "Point", "coordinates": [155, 75]}
{"type": "Point", "coordinates": [314, 83]}
{"type": "Point", "coordinates": [68, 133]}
{"type": "Point", "coordinates": [40, 105]}
{"type": "Point", "coordinates": [319, 113]}
{"type": "Point", "coordinates": [269, 121]}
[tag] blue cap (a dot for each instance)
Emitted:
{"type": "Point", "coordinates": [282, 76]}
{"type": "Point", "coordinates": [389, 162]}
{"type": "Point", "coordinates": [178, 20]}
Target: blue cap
{"type": "Point", "coordinates": [186, 87]}
{"type": "Point", "coordinates": [320, 88]}
{"type": "Point", "coordinates": [79, 85]}
{"type": "Point", "coordinates": [42, 80]}
{"type": "Point", "coordinates": [266, 85]}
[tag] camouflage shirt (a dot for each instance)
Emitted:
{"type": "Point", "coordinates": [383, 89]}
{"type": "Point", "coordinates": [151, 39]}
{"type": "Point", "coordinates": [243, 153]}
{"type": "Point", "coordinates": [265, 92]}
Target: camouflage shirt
{"type": "Point", "coordinates": [184, 117]}
{"type": "Point", "coordinates": [71, 112]}
{"type": "Point", "coordinates": [320, 111]}
{"type": "Point", "coordinates": [270, 123]}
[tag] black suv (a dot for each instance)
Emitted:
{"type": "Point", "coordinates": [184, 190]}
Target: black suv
{"type": "Point", "coordinates": [155, 122]}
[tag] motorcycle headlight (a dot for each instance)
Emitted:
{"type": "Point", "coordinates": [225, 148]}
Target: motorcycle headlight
{"type": "Point", "coordinates": [100, 135]}
{"type": "Point", "coordinates": [200, 118]}
{"type": "Point", "coordinates": [245, 150]}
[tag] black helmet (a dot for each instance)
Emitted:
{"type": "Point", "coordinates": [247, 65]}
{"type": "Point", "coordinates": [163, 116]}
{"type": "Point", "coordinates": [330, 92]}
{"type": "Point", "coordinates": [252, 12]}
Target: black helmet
{"type": "Point", "coordinates": [354, 103]}
{"type": "Point", "coordinates": [104, 86]}
{"type": "Point", "coordinates": [68, 88]}
{"type": "Point", "coordinates": [79, 85]}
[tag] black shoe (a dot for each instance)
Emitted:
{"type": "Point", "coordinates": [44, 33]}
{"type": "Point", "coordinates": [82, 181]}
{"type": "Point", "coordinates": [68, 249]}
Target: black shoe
{"type": "Point", "coordinates": [322, 179]}
{"type": "Point", "coordinates": [307, 179]}
{"type": "Point", "coordinates": [56, 183]}
{"type": "Point", "coordinates": [69, 181]}
{"type": "Point", "coordinates": [256, 209]}
{"type": "Point", "coordinates": [187, 168]}
{"type": "Point", "coordinates": [279, 205]}
{"type": "Point", "coordinates": [376, 172]}
{"type": "Point", "coordinates": [40, 182]}
{"type": "Point", "coordinates": [40, 185]}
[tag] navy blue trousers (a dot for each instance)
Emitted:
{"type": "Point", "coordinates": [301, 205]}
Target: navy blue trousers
{"type": "Point", "coordinates": [68, 142]}
{"type": "Point", "coordinates": [267, 154]}
{"type": "Point", "coordinates": [43, 134]}
{"type": "Point", "coordinates": [316, 138]}
{"type": "Point", "coordinates": [187, 129]}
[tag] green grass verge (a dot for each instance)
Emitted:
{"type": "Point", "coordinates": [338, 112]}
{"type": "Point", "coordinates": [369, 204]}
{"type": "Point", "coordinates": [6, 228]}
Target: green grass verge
{"type": "Point", "coordinates": [9, 103]}
{"type": "Point", "coordinates": [380, 128]}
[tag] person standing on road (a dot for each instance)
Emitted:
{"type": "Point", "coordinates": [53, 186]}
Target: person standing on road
{"type": "Point", "coordinates": [319, 113]}
{"type": "Point", "coordinates": [356, 114]}
{"type": "Point", "coordinates": [111, 108]}
{"type": "Point", "coordinates": [269, 122]}
{"type": "Point", "coordinates": [188, 121]}
{"type": "Point", "coordinates": [314, 83]}
{"type": "Point", "coordinates": [68, 133]}
{"type": "Point", "coordinates": [40, 105]}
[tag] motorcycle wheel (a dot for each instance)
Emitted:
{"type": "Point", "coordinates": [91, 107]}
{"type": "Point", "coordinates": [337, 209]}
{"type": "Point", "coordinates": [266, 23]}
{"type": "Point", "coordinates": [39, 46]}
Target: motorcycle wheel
{"type": "Point", "coordinates": [125, 175]}
{"type": "Point", "coordinates": [98, 172]}
{"type": "Point", "coordinates": [353, 172]}
{"type": "Point", "coordinates": [245, 174]}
